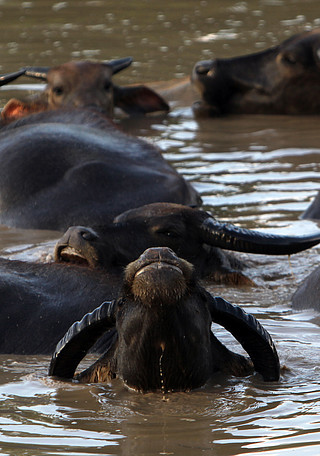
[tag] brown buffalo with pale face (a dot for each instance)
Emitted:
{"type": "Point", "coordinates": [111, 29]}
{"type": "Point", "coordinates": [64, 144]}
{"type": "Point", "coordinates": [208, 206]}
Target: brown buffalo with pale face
{"type": "Point", "coordinates": [83, 84]}
{"type": "Point", "coordinates": [160, 336]}
{"type": "Point", "coordinates": [284, 79]}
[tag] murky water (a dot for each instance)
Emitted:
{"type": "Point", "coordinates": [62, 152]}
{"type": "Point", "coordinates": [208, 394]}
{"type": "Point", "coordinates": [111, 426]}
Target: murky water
{"type": "Point", "coordinates": [256, 171]}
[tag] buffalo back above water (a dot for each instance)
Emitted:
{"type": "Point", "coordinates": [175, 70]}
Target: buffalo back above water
{"type": "Point", "coordinates": [75, 167]}
{"type": "Point", "coordinates": [38, 302]}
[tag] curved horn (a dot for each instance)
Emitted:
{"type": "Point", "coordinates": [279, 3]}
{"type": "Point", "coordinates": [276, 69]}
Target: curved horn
{"type": "Point", "coordinates": [6, 78]}
{"type": "Point", "coordinates": [37, 72]}
{"type": "Point", "coordinates": [119, 64]}
{"type": "Point", "coordinates": [80, 337]}
{"type": "Point", "coordinates": [230, 237]}
{"type": "Point", "coordinates": [252, 336]}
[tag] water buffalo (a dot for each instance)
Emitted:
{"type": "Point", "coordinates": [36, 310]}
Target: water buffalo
{"type": "Point", "coordinates": [281, 80]}
{"type": "Point", "coordinates": [192, 233]}
{"type": "Point", "coordinates": [75, 167]}
{"type": "Point", "coordinates": [40, 301]}
{"type": "Point", "coordinates": [84, 84]}
{"type": "Point", "coordinates": [162, 338]}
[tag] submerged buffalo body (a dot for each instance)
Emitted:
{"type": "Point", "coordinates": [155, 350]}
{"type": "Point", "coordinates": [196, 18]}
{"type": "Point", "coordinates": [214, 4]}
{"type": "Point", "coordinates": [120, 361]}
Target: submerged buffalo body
{"type": "Point", "coordinates": [80, 85]}
{"type": "Point", "coordinates": [281, 80]}
{"type": "Point", "coordinates": [162, 340]}
{"type": "Point", "coordinates": [67, 167]}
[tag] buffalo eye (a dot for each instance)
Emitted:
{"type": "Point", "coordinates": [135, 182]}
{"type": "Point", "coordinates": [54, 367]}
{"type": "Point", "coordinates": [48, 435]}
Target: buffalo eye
{"type": "Point", "coordinates": [289, 59]}
{"type": "Point", "coordinates": [58, 90]}
{"type": "Point", "coordinates": [107, 85]}
{"type": "Point", "coordinates": [168, 233]}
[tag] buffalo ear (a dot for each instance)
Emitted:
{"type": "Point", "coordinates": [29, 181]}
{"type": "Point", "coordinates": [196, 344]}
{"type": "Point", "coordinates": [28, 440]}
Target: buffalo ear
{"type": "Point", "coordinates": [248, 331]}
{"type": "Point", "coordinates": [15, 109]}
{"type": "Point", "coordinates": [138, 100]}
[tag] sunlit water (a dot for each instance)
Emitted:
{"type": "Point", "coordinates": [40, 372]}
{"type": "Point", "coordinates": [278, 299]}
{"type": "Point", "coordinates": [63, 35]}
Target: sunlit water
{"type": "Point", "coordinates": [256, 171]}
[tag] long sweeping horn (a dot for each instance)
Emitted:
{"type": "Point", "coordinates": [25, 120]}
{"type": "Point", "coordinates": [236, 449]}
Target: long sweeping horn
{"type": "Point", "coordinates": [230, 237]}
{"type": "Point", "coordinates": [6, 78]}
{"type": "Point", "coordinates": [37, 72]}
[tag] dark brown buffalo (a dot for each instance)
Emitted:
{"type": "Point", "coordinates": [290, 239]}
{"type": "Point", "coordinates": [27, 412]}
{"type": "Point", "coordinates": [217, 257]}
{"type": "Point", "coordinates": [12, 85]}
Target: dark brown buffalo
{"type": "Point", "coordinates": [284, 79]}
{"type": "Point", "coordinates": [75, 167]}
{"type": "Point", "coordinates": [192, 233]}
{"type": "Point", "coordinates": [84, 84]}
{"type": "Point", "coordinates": [162, 337]}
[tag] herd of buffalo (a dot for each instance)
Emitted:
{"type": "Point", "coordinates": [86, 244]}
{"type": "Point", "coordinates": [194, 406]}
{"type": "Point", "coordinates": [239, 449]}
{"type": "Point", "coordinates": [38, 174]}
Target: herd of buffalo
{"type": "Point", "coordinates": [126, 277]}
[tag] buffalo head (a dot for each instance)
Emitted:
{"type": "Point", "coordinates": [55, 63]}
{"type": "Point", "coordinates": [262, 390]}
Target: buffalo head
{"type": "Point", "coordinates": [85, 84]}
{"type": "Point", "coordinates": [161, 324]}
{"type": "Point", "coordinates": [192, 233]}
{"type": "Point", "coordinates": [281, 80]}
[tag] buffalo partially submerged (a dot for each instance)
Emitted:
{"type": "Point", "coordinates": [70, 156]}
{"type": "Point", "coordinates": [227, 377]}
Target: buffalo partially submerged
{"type": "Point", "coordinates": [40, 301]}
{"type": "Point", "coordinates": [160, 336]}
{"type": "Point", "coordinates": [83, 84]}
{"type": "Point", "coordinates": [284, 79]}
{"type": "Point", "coordinates": [74, 167]}
{"type": "Point", "coordinates": [192, 233]}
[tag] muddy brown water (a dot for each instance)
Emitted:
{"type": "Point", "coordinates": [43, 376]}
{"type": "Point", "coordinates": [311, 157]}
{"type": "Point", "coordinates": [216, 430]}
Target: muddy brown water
{"type": "Point", "coordinates": [256, 171]}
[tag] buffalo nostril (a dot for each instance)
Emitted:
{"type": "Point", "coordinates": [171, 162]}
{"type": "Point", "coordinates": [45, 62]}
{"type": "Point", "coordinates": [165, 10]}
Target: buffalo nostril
{"type": "Point", "coordinates": [203, 67]}
{"type": "Point", "coordinates": [88, 235]}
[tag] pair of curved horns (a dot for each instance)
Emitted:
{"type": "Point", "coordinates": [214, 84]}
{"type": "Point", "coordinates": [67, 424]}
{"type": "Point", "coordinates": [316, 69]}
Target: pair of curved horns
{"type": "Point", "coordinates": [41, 72]}
{"type": "Point", "coordinates": [229, 237]}
{"type": "Point", "coordinates": [244, 327]}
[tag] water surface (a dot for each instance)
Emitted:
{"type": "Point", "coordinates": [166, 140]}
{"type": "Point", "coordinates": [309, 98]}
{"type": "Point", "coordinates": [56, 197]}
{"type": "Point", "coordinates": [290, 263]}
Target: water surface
{"type": "Point", "coordinates": [256, 171]}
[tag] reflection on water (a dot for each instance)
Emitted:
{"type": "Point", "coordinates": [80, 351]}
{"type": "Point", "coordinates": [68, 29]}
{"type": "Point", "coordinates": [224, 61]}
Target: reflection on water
{"type": "Point", "coordinates": [255, 171]}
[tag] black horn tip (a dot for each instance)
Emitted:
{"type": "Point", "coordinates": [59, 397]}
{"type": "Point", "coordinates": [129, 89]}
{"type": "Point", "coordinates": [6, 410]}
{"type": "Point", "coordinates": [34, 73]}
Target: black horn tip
{"type": "Point", "coordinates": [119, 64]}
{"type": "Point", "coordinates": [6, 78]}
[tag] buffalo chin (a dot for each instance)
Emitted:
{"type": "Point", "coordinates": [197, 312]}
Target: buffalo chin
{"type": "Point", "coordinates": [171, 274]}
